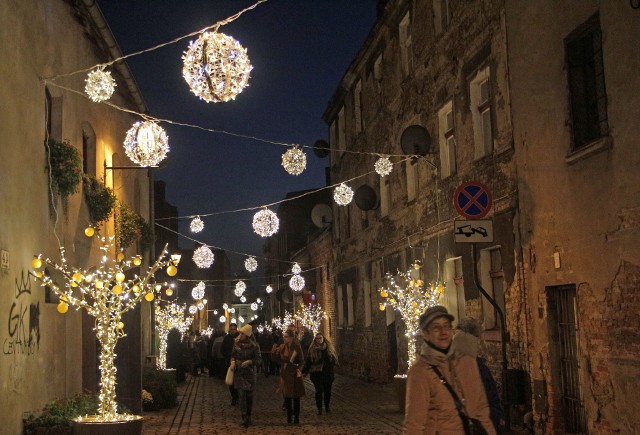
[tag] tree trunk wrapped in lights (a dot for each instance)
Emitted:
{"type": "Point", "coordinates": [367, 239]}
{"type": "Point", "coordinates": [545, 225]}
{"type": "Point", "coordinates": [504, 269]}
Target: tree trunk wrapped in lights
{"type": "Point", "coordinates": [105, 293]}
{"type": "Point", "coordinates": [311, 317]}
{"type": "Point", "coordinates": [408, 295]}
{"type": "Point", "coordinates": [168, 318]}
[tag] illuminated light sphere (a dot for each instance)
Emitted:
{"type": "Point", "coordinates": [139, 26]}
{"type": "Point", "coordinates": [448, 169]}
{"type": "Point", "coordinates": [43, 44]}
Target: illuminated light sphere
{"type": "Point", "coordinates": [269, 289]}
{"type": "Point", "coordinates": [200, 305]}
{"type": "Point", "coordinates": [232, 310]}
{"type": "Point", "coordinates": [146, 143]}
{"type": "Point", "coordinates": [196, 225]}
{"type": "Point", "coordinates": [222, 319]}
{"type": "Point", "coordinates": [417, 265]}
{"type": "Point", "coordinates": [100, 85]}
{"type": "Point", "coordinates": [233, 320]}
{"type": "Point", "coordinates": [193, 309]}
{"type": "Point", "coordinates": [296, 269]}
{"type": "Point", "coordinates": [203, 257]}
{"type": "Point", "coordinates": [135, 288]}
{"type": "Point", "coordinates": [216, 67]}
{"type": "Point", "coordinates": [36, 263]}
{"type": "Point", "coordinates": [296, 283]}
{"type": "Point", "coordinates": [77, 277]}
{"type": "Point", "coordinates": [294, 161]}
{"type": "Point", "coordinates": [137, 261]}
{"type": "Point", "coordinates": [384, 293]}
{"type": "Point", "coordinates": [198, 291]}
{"type": "Point", "coordinates": [149, 297]}
{"type": "Point", "coordinates": [382, 307]}
{"type": "Point", "coordinates": [99, 284]}
{"type": "Point", "coordinates": [265, 223]}
{"type": "Point", "coordinates": [241, 319]}
{"type": "Point", "coordinates": [172, 270]}
{"type": "Point", "coordinates": [383, 166]}
{"type": "Point", "coordinates": [120, 256]}
{"type": "Point", "coordinates": [120, 277]}
{"type": "Point", "coordinates": [120, 325]}
{"type": "Point", "coordinates": [215, 312]}
{"type": "Point", "coordinates": [251, 264]}
{"type": "Point", "coordinates": [241, 285]}
{"type": "Point", "coordinates": [243, 299]}
{"type": "Point", "coordinates": [254, 306]}
{"type": "Point", "coordinates": [117, 289]}
{"type": "Point", "coordinates": [225, 306]}
{"type": "Point", "coordinates": [89, 231]}
{"type": "Point", "coordinates": [342, 194]}
{"type": "Point", "coordinates": [63, 308]}
{"type": "Point", "coordinates": [169, 291]}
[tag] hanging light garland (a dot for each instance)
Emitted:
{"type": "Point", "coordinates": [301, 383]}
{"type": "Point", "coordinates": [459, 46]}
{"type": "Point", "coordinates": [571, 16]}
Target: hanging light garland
{"type": "Point", "coordinates": [296, 283]}
{"type": "Point", "coordinates": [146, 143]}
{"type": "Point", "coordinates": [251, 264]}
{"type": "Point", "coordinates": [265, 223]}
{"type": "Point", "coordinates": [383, 166]}
{"type": "Point", "coordinates": [343, 194]}
{"type": "Point", "coordinates": [198, 291]}
{"type": "Point", "coordinates": [100, 85]}
{"type": "Point", "coordinates": [216, 67]}
{"type": "Point", "coordinates": [294, 161]}
{"type": "Point", "coordinates": [203, 257]}
{"type": "Point", "coordinates": [196, 225]}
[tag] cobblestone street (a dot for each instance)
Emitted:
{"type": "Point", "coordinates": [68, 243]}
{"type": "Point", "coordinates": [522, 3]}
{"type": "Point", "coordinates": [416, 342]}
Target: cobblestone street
{"type": "Point", "coordinates": [204, 408]}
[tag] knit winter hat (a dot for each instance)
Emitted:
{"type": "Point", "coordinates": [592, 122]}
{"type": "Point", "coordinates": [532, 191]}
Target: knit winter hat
{"type": "Point", "coordinates": [432, 313]}
{"type": "Point", "coordinates": [246, 330]}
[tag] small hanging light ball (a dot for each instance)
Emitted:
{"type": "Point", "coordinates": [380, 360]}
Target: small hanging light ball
{"type": "Point", "coordinates": [269, 289]}
{"type": "Point", "coordinates": [240, 288]}
{"type": "Point", "coordinates": [296, 283]}
{"type": "Point", "coordinates": [222, 319]}
{"type": "Point", "coordinates": [200, 305]}
{"type": "Point", "coordinates": [296, 269]}
{"type": "Point", "coordinates": [99, 85]}
{"type": "Point", "coordinates": [343, 194]}
{"type": "Point", "coordinates": [146, 143]}
{"type": "Point", "coordinates": [216, 67]}
{"type": "Point", "coordinates": [198, 291]}
{"type": "Point", "coordinates": [243, 299]}
{"type": "Point", "coordinates": [265, 223]}
{"type": "Point", "coordinates": [294, 161]}
{"type": "Point", "coordinates": [89, 231]}
{"type": "Point", "coordinates": [203, 257]}
{"type": "Point", "coordinates": [196, 225]}
{"type": "Point", "coordinates": [193, 309]}
{"type": "Point", "coordinates": [251, 264]}
{"type": "Point", "coordinates": [383, 166]}
{"type": "Point", "coordinates": [254, 306]}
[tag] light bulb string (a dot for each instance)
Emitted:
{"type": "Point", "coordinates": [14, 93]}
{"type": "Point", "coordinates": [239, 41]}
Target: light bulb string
{"type": "Point", "coordinates": [214, 26]}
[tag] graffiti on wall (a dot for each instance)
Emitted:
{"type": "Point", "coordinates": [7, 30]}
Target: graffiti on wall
{"type": "Point", "coordinates": [23, 325]}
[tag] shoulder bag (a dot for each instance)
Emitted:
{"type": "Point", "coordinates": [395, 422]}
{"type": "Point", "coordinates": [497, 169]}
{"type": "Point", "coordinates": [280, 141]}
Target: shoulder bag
{"type": "Point", "coordinates": [229, 378]}
{"type": "Point", "coordinates": [472, 426]}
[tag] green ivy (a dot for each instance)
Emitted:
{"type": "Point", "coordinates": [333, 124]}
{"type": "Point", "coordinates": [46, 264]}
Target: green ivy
{"type": "Point", "coordinates": [130, 226]}
{"type": "Point", "coordinates": [65, 166]}
{"type": "Point", "coordinates": [101, 200]}
{"type": "Point", "coordinates": [59, 413]}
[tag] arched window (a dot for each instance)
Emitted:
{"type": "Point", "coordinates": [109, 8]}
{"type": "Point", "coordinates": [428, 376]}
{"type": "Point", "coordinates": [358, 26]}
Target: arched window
{"type": "Point", "coordinates": [88, 149]}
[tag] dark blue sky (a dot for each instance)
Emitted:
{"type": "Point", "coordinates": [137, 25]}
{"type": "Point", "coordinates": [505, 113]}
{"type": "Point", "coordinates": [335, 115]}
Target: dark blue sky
{"type": "Point", "coordinates": [299, 50]}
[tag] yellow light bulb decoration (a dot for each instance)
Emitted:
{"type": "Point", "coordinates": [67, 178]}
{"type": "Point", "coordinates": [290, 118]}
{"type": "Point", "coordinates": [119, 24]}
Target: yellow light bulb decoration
{"type": "Point", "coordinates": [137, 261]}
{"type": "Point", "coordinates": [149, 297]}
{"type": "Point", "coordinates": [419, 282]}
{"type": "Point", "coordinates": [117, 289]}
{"type": "Point", "coordinates": [135, 289]}
{"type": "Point", "coordinates": [36, 263]}
{"type": "Point", "coordinates": [39, 274]}
{"type": "Point", "coordinates": [440, 288]}
{"type": "Point", "coordinates": [417, 265]}
{"type": "Point", "coordinates": [89, 231]}
{"type": "Point", "coordinates": [120, 277]}
{"type": "Point", "coordinates": [169, 292]}
{"type": "Point", "coordinates": [63, 308]}
{"type": "Point", "coordinates": [381, 307]}
{"type": "Point", "coordinates": [120, 256]}
{"type": "Point", "coordinates": [99, 284]}
{"type": "Point", "coordinates": [77, 277]}
{"type": "Point", "coordinates": [384, 293]}
{"type": "Point", "coordinates": [73, 284]}
{"type": "Point", "coordinates": [120, 325]}
{"type": "Point", "coordinates": [172, 270]}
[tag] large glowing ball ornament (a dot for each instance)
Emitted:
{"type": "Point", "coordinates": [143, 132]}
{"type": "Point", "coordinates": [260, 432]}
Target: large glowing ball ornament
{"type": "Point", "coordinates": [216, 67]}
{"type": "Point", "coordinates": [146, 144]}
{"type": "Point", "coordinates": [251, 264]}
{"type": "Point", "coordinates": [100, 85]}
{"type": "Point", "coordinates": [343, 194]}
{"type": "Point", "coordinates": [203, 257]}
{"type": "Point", "coordinates": [296, 269]}
{"type": "Point", "coordinates": [296, 283]}
{"type": "Point", "coordinates": [89, 231]}
{"type": "Point", "coordinates": [383, 166]}
{"type": "Point", "coordinates": [198, 291]}
{"type": "Point", "coordinates": [196, 225]}
{"type": "Point", "coordinates": [265, 223]}
{"type": "Point", "coordinates": [63, 308]}
{"type": "Point", "coordinates": [172, 270]}
{"type": "Point", "coordinates": [294, 161]}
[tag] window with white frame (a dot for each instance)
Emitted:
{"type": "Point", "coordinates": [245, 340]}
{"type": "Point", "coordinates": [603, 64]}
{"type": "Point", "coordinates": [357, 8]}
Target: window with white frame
{"type": "Point", "coordinates": [350, 318]}
{"type": "Point", "coordinates": [447, 140]}
{"type": "Point", "coordinates": [366, 292]}
{"type": "Point", "coordinates": [492, 280]}
{"type": "Point", "coordinates": [441, 15]}
{"type": "Point", "coordinates": [481, 111]}
{"type": "Point", "coordinates": [405, 44]}
{"type": "Point", "coordinates": [412, 179]}
{"type": "Point", "coordinates": [340, 307]}
{"type": "Point", "coordinates": [357, 104]}
{"type": "Point", "coordinates": [385, 196]}
{"type": "Point", "coordinates": [454, 287]}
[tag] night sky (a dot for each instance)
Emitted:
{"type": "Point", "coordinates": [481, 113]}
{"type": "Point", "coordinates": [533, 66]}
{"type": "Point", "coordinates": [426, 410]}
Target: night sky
{"type": "Point", "coordinates": [299, 50]}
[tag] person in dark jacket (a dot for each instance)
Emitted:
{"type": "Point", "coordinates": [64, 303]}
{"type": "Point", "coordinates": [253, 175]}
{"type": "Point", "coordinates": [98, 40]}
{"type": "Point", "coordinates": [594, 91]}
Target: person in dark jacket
{"type": "Point", "coordinates": [245, 358]}
{"type": "Point", "coordinates": [319, 364]}
{"type": "Point", "coordinates": [226, 348]}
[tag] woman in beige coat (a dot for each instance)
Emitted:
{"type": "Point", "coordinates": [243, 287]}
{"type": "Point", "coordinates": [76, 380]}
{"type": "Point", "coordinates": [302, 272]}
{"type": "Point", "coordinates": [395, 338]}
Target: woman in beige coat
{"type": "Point", "coordinates": [291, 360]}
{"type": "Point", "coordinates": [430, 407]}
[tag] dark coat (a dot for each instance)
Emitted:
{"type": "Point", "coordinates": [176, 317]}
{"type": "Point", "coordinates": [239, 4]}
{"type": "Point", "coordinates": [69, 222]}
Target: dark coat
{"type": "Point", "coordinates": [490, 388]}
{"type": "Point", "coordinates": [319, 364]}
{"type": "Point", "coordinates": [291, 384]}
{"type": "Point", "coordinates": [244, 378]}
{"type": "Point", "coordinates": [227, 345]}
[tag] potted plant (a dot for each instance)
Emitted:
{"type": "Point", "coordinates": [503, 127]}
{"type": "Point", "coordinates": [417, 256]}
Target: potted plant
{"type": "Point", "coordinates": [55, 417]}
{"type": "Point", "coordinates": [130, 226]}
{"type": "Point", "coordinates": [65, 166]}
{"type": "Point", "coordinates": [100, 199]}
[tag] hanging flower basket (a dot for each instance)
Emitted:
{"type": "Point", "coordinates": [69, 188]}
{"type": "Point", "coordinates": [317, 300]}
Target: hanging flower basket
{"type": "Point", "coordinates": [65, 167]}
{"type": "Point", "coordinates": [100, 199]}
{"type": "Point", "coordinates": [130, 227]}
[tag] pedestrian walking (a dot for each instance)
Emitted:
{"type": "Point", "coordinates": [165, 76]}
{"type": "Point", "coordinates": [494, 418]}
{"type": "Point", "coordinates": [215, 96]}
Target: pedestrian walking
{"type": "Point", "coordinates": [321, 358]}
{"type": "Point", "coordinates": [291, 359]}
{"type": "Point", "coordinates": [443, 386]}
{"type": "Point", "coordinates": [245, 359]}
{"type": "Point", "coordinates": [226, 349]}
{"type": "Point", "coordinates": [265, 341]}
{"type": "Point", "coordinates": [467, 341]}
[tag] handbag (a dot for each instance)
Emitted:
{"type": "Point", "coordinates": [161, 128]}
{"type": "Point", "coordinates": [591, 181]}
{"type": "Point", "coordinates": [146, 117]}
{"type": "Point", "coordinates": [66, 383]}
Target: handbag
{"type": "Point", "coordinates": [229, 378]}
{"type": "Point", "coordinates": [472, 426]}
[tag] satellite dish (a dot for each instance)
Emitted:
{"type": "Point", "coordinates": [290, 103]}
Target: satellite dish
{"type": "Point", "coordinates": [415, 141]}
{"type": "Point", "coordinates": [366, 198]}
{"type": "Point", "coordinates": [321, 215]}
{"type": "Point", "coordinates": [321, 148]}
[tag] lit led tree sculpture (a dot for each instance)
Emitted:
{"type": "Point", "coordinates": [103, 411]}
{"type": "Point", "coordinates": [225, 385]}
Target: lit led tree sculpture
{"type": "Point", "coordinates": [106, 293]}
{"type": "Point", "coordinates": [168, 318]}
{"type": "Point", "coordinates": [409, 296]}
{"type": "Point", "coordinates": [311, 316]}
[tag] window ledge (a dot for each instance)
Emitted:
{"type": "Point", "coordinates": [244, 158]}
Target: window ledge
{"type": "Point", "coordinates": [595, 147]}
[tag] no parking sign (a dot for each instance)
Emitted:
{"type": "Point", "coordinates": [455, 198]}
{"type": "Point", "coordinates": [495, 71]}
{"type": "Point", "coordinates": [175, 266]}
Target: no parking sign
{"type": "Point", "coordinates": [472, 200]}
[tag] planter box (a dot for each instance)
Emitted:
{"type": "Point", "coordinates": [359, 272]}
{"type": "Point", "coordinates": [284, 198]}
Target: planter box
{"type": "Point", "coordinates": [90, 426]}
{"type": "Point", "coordinates": [400, 384]}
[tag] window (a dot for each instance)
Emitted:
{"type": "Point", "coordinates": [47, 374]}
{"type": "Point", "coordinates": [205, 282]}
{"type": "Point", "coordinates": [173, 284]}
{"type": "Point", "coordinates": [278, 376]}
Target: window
{"type": "Point", "coordinates": [385, 196]}
{"type": "Point", "coordinates": [412, 178]}
{"type": "Point", "coordinates": [88, 149]}
{"type": "Point", "coordinates": [481, 111]}
{"type": "Point", "coordinates": [357, 104]}
{"type": "Point", "coordinates": [341, 132]}
{"type": "Point", "coordinates": [447, 141]}
{"type": "Point", "coordinates": [405, 45]}
{"type": "Point", "coordinates": [340, 302]}
{"type": "Point", "coordinates": [53, 115]}
{"type": "Point", "coordinates": [377, 68]}
{"type": "Point", "coordinates": [492, 279]}
{"type": "Point", "coordinates": [366, 293]}
{"type": "Point", "coordinates": [454, 298]}
{"type": "Point", "coordinates": [349, 305]}
{"type": "Point", "coordinates": [442, 15]}
{"type": "Point", "coordinates": [585, 73]}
